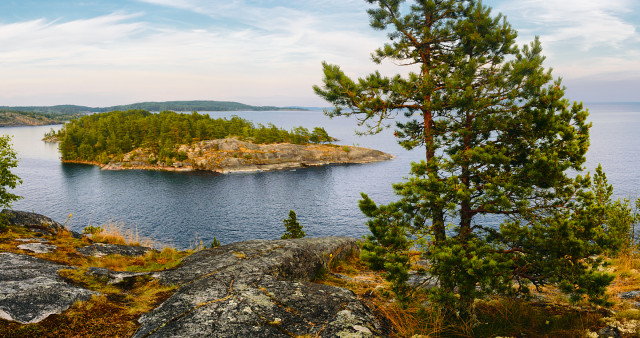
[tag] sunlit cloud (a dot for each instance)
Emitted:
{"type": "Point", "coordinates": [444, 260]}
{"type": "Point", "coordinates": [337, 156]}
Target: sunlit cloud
{"type": "Point", "coordinates": [584, 23]}
{"type": "Point", "coordinates": [256, 63]}
{"type": "Point", "coordinates": [264, 52]}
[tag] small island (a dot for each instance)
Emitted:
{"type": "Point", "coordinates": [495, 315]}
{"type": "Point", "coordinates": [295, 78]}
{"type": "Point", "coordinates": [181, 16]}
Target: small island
{"type": "Point", "coordinates": [138, 139]}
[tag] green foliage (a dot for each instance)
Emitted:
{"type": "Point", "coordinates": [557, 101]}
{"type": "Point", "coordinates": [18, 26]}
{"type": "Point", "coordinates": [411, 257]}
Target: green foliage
{"type": "Point", "coordinates": [8, 180]}
{"type": "Point", "coordinates": [292, 226]}
{"type": "Point", "coordinates": [499, 141]}
{"type": "Point", "coordinates": [105, 136]}
{"type": "Point", "coordinates": [215, 243]}
{"type": "Point", "coordinates": [618, 218]}
{"type": "Point", "coordinates": [92, 230]}
{"type": "Point", "coordinates": [319, 135]}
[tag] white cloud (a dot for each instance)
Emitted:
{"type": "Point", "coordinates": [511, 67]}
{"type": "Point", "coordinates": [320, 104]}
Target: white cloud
{"type": "Point", "coordinates": [121, 55]}
{"type": "Point", "coordinates": [586, 23]}
{"type": "Point", "coordinates": [267, 55]}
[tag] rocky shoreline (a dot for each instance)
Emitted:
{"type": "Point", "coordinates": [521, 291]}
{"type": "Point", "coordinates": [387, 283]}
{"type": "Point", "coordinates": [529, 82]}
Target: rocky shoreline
{"type": "Point", "coordinates": [258, 288]}
{"type": "Point", "coordinates": [231, 155]}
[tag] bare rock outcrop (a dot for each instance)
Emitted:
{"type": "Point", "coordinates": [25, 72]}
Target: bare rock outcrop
{"type": "Point", "coordinates": [32, 221]}
{"type": "Point", "coordinates": [103, 249]}
{"type": "Point", "coordinates": [232, 155]}
{"type": "Point", "coordinates": [260, 288]}
{"type": "Point", "coordinates": [31, 289]}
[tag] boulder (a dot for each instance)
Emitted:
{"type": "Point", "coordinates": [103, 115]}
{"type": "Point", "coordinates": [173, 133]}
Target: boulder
{"type": "Point", "coordinates": [115, 277]}
{"type": "Point", "coordinates": [32, 221]}
{"type": "Point", "coordinates": [102, 249]}
{"type": "Point", "coordinates": [31, 289]}
{"type": "Point", "coordinates": [609, 332]}
{"type": "Point", "coordinates": [630, 294]}
{"type": "Point", "coordinates": [260, 288]}
{"type": "Point", "coordinates": [37, 247]}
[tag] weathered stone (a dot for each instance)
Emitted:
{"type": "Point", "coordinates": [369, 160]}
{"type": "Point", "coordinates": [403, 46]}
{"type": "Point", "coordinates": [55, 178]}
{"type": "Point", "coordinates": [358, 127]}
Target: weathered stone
{"type": "Point", "coordinates": [32, 221]}
{"type": "Point", "coordinates": [260, 289]}
{"type": "Point", "coordinates": [115, 277]}
{"type": "Point", "coordinates": [31, 289]}
{"type": "Point", "coordinates": [630, 294]}
{"type": "Point", "coordinates": [37, 247]}
{"type": "Point", "coordinates": [39, 240]}
{"type": "Point", "coordinates": [101, 249]}
{"type": "Point", "coordinates": [421, 281]}
{"type": "Point", "coordinates": [232, 155]}
{"type": "Point", "coordinates": [609, 332]}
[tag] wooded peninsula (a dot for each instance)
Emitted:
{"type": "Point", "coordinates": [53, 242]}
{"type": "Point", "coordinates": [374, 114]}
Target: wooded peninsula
{"type": "Point", "coordinates": [9, 118]}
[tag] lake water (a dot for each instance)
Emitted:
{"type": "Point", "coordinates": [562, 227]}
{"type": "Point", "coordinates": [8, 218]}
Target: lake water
{"type": "Point", "coordinates": [182, 208]}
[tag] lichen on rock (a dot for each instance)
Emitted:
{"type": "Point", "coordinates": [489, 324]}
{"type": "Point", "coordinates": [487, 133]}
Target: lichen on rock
{"type": "Point", "coordinates": [267, 293]}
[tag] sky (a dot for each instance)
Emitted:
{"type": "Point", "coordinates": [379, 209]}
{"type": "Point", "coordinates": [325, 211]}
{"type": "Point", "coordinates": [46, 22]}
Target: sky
{"type": "Point", "coordinates": [265, 52]}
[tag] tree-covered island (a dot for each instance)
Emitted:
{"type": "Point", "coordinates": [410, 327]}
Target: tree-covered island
{"type": "Point", "coordinates": [138, 139]}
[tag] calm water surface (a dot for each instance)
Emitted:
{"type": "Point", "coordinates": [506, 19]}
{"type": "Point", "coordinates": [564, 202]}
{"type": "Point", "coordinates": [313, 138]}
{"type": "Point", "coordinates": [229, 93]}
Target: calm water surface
{"type": "Point", "coordinates": [178, 208]}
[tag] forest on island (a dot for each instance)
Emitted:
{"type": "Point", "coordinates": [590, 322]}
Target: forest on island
{"type": "Point", "coordinates": [104, 136]}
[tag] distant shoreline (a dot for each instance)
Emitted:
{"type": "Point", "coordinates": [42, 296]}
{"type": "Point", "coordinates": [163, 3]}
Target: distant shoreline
{"type": "Point", "coordinates": [177, 106]}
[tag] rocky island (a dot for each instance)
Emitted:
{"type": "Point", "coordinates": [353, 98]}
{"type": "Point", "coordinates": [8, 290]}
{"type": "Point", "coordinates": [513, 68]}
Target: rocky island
{"type": "Point", "coordinates": [231, 155]}
{"type": "Point", "coordinates": [137, 139]}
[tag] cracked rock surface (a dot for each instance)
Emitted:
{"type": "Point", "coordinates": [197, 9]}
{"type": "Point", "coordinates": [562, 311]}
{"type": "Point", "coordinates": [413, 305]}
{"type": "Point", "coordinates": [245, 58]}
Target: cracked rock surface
{"type": "Point", "coordinates": [102, 249]}
{"type": "Point", "coordinates": [31, 289]}
{"type": "Point", "coordinates": [260, 288]}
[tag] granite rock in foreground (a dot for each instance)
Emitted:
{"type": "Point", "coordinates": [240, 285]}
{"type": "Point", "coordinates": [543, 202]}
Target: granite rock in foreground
{"type": "Point", "coordinates": [260, 289]}
{"type": "Point", "coordinates": [31, 289]}
{"type": "Point", "coordinates": [32, 221]}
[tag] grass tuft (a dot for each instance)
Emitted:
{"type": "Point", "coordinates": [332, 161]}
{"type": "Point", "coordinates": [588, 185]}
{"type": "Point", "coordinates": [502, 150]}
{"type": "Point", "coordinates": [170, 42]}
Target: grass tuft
{"type": "Point", "coordinates": [117, 233]}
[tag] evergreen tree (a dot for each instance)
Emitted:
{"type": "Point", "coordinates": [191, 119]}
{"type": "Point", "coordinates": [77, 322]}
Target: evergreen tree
{"type": "Point", "coordinates": [292, 226]}
{"type": "Point", "coordinates": [499, 140]}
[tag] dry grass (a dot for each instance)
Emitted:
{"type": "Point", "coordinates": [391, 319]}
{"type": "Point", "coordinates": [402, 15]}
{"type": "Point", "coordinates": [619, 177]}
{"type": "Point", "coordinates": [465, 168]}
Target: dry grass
{"type": "Point", "coordinates": [117, 233]}
{"type": "Point", "coordinates": [494, 317]}
{"type": "Point", "coordinates": [113, 315]}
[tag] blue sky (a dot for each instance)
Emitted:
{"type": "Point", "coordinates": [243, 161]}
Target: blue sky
{"type": "Point", "coordinates": [266, 52]}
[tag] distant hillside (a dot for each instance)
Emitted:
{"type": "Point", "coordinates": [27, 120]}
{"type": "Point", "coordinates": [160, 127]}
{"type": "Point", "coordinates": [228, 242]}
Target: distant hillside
{"type": "Point", "coordinates": [21, 118]}
{"type": "Point", "coordinates": [150, 106]}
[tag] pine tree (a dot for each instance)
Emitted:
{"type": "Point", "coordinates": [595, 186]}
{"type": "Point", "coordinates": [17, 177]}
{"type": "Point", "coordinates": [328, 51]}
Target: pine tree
{"type": "Point", "coordinates": [292, 226]}
{"type": "Point", "coordinates": [499, 141]}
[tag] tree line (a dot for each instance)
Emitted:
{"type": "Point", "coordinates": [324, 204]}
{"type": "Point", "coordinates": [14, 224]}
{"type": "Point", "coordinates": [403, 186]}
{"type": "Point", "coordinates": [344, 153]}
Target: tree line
{"type": "Point", "coordinates": [103, 136]}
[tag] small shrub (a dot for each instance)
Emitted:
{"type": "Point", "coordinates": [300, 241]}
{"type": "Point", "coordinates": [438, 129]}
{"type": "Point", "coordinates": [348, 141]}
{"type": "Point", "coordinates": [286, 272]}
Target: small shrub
{"type": "Point", "coordinates": [92, 230]}
{"type": "Point", "coordinates": [181, 156]}
{"type": "Point", "coordinates": [293, 227]}
{"type": "Point", "coordinates": [215, 243]}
